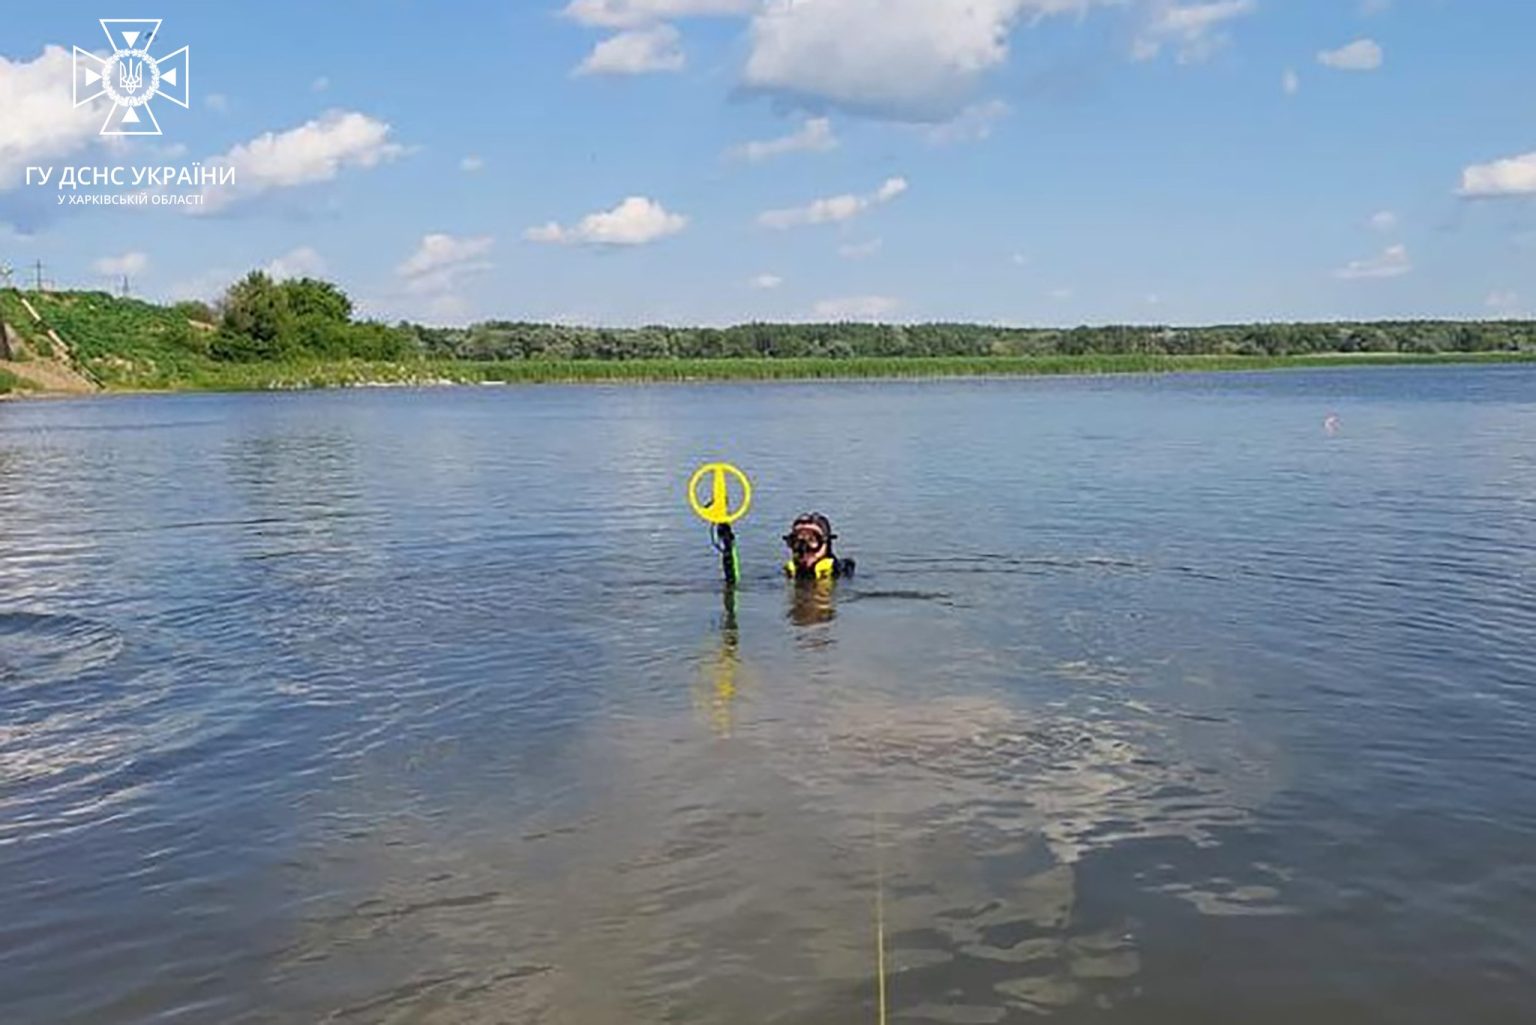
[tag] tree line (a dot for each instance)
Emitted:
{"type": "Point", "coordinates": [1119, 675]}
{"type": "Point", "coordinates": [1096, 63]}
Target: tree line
{"type": "Point", "coordinates": [501, 340]}
{"type": "Point", "coordinates": [259, 319]}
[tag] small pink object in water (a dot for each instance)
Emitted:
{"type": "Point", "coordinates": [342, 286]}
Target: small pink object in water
{"type": "Point", "coordinates": [1331, 424]}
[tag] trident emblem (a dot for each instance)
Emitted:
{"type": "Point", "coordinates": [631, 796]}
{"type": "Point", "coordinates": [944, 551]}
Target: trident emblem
{"type": "Point", "coordinates": [130, 75]}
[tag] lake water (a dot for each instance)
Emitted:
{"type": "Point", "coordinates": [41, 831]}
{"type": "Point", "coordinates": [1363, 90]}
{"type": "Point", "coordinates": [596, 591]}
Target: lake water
{"type": "Point", "coordinates": [1152, 702]}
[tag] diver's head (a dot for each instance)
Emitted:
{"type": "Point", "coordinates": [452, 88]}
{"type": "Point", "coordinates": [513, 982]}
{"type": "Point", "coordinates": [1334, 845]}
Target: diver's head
{"type": "Point", "coordinates": [809, 540]}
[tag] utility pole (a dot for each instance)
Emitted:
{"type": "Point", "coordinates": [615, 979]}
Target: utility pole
{"type": "Point", "coordinates": [125, 286]}
{"type": "Point", "coordinates": [39, 266]}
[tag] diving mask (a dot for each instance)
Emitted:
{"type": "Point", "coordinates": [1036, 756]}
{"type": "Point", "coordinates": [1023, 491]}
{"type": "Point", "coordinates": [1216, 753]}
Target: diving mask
{"type": "Point", "coordinates": [805, 542]}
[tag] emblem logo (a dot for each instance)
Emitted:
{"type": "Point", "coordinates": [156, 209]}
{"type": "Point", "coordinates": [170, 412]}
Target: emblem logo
{"type": "Point", "coordinates": [131, 77]}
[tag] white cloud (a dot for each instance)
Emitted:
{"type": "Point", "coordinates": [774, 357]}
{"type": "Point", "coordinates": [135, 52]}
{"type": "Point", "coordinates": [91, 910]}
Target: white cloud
{"type": "Point", "coordinates": [471, 164]}
{"type": "Point", "coordinates": [1290, 82]}
{"type": "Point", "coordinates": [1383, 220]}
{"type": "Point", "coordinates": [207, 286]}
{"type": "Point", "coordinates": [1391, 262]}
{"type": "Point", "coordinates": [861, 250]}
{"type": "Point", "coordinates": [302, 262]}
{"type": "Point", "coordinates": [1505, 301]}
{"type": "Point", "coordinates": [1513, 176]}
{"type": "Point", "coordinates": [320, 84]}
{"type": "Point", "coordinates": [1061, 295]}
{"type": "Point", "coordinates": [636, 52]}
{"type": "Point", "coordinates": [815, 136]}
{"type": "Point", "coordinates": [834, 208]}
{"type": "Point", "coordinates": [217, 102]}
{"type": "Point", "coordinates": [635, 13]}
{"type": "Point", "coordinates": [634, 222]}
{"type": "Point", "coordinates": [856, 307]}
{"type": "Point", "coordinates": [973, 124]}
{"type": "Point", "coordinates": [1361, 55]}
{"type": "Point", "coordinates": [441, 261]}
{"type": "Point", "coordinates": [1194, 30]}
{"type": "Point", "coordinates": [40, 121]}
{"type": "Point", "coordinates": [766, 281]}
{"type": "Point", "coordinates": [210, 285]}
{"type": "Point", "coordinates": [440, 250]}
{"type": "Point", "coordinates": [448, 307]}
{"type": "Point", "coordinates": [116, 266]}
{"type": "Point", "coordinates": [907, 60]}
{"type": "Point", "coordinates": [441, 308]}
{"type": "Point", "coordinates": [316, 151]}
{"type": "Point", "coordinates": [1371, 7]}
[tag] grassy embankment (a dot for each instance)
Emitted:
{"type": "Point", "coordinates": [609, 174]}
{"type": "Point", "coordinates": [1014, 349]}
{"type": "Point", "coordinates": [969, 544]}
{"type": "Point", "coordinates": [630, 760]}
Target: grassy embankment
{"type": "Point", "coordinates": [125, 344]}
{"type": "Point", "coordinates": [36, 341]}
{"type": "Point", "coordinates": [267, 376]}
{"type": "Point", "coordinates": [116, 342]}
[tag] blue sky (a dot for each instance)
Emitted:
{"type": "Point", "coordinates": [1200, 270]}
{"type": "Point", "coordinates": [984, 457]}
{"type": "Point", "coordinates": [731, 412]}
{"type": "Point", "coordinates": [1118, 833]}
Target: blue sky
{"type": "Point", "coordinates": [1018, 161]}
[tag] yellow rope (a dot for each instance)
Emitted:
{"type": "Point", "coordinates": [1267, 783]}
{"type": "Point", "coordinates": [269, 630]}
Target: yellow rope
{"type": "Point", "coordinates": [880, 979]}
{"type": "Point", "coordinates": [880, 924]}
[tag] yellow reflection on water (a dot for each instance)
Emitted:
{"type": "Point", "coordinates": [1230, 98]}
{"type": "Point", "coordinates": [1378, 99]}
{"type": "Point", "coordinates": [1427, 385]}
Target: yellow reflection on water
{"type": "Point", "coordinates": [715, 696]}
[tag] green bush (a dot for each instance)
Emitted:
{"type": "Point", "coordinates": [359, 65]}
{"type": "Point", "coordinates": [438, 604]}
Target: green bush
{"type": "Point", "coordinates": [195, 309]}
{"type": "Point", "coordinates": [268, 321]}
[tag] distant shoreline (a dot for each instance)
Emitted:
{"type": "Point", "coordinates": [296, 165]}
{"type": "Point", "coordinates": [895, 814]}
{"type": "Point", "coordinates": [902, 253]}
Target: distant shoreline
{"type": "Point", "coordinates": [301, 334]}
{"type": "Point", "coordinates": [428, 373]}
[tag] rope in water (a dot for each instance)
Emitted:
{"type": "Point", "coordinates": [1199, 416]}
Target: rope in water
{"type": "Point", "coordinates": [880, 980]}
{"type": "Point", "coordinates": [880, 920]}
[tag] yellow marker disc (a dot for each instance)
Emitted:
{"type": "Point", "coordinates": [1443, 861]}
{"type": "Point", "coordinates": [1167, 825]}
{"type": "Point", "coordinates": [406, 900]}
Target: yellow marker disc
{"type": "Point", "coordinates": [718, 508]}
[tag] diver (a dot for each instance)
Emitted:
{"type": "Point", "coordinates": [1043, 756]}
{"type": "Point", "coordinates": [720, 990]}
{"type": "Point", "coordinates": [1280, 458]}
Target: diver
{"type": "Point", "coordinates": [811, 557]}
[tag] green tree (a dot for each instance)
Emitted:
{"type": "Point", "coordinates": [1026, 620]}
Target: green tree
{"type": "Point", "coordinates": [257, 322]}
{"type": "Point", "coordinates": [308, 297]}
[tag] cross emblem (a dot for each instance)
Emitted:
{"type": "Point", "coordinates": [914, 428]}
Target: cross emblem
{"type": "Point", "coordinates": [130, 78]}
